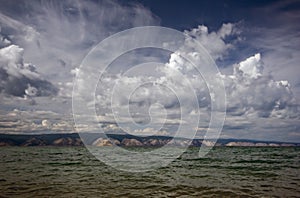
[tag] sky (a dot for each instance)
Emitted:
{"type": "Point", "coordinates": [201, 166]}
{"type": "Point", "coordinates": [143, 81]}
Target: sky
{"type": "Point", "coordinates": [255, 45]}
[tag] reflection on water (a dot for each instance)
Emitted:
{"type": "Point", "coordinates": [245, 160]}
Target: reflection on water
{"type": "Point", "coordinates": [73, 171]}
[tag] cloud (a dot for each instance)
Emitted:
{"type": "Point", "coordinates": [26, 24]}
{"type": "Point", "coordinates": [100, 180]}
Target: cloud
{"type": "Point", "coordinates": [19, 78]}
{"type": "Point", "coordinates": [251, 94]}
{"type": "Point", "coordinates": [56, 35]}
{"type": "Point", "coordinates": [31, 91]}
{"type": "Point", "coordinates": [251, 67]}
{"type": "Point", "coordinates": [160, 98]}
{"type": "Point", "coordinates": [274, 31]}
{"type": "Point", "coordinates": [217, 43]}
{"type": "Point", "coordinates": [17, 121]}
{"type": "Point", "coordinates": [43, 42]}
{"type": "Point", "coordinates": [4, 42]}
{"type": "Point", "coordinates": [46, 123]}
{"type": "Point", "coordinates": [149, 132]}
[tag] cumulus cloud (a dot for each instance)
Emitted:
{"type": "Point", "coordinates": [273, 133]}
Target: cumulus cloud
{"type": "Point", "coordinates": [254, 94]}
{"type": "Point", "coordinates": [56, 35]}
{"type": "Point", "coordinates": [162, 97]}
{"type": "Point", "coordinates": [249, 90]}
{"type": "Point", "coordinates": [42, 42]}
{"type": "Point", "coordinates": [53, 36]}
{"type": "Point", "coordinates": [17, 121]}
{"type": "Point", "coordinates": [217, 43]}
{"type": "Point", "coordinates": [19, 78]}
{"type": "Point", "coordinates": [251, 94]}
{"type": "Point", "coordinates": [251, 67]}
{"type": "Point", "coordinates": [46, 123]}
{"type": "Point", "coordinates": [149, 131]}
{"type": "Point", "coordinates": [276, 35]}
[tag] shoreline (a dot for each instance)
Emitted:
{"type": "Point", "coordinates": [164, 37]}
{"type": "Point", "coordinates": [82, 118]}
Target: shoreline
{"type": "Point", "coordinates": [99, 140]}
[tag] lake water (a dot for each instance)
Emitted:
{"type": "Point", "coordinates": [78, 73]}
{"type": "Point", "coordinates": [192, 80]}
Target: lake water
{"type": "Point", "coordinates": [225, 171]}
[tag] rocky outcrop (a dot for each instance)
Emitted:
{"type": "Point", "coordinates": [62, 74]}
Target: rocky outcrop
{"type": "Point", "coordinates": [125, 140]}
{"type": "Point", "coordinates": [156, 142]}
{"type": "Point", "coordinates": [178, 142]}
{"type": "Point", "coordinates": [261, 144]}
{"type": "Point", "coordinates": [67, 142]}
{"type": "Point", "coordinates": [106, 142]}
{"type": "Point", "coordinates": [258, 144]}
{"type": "Point", "coordinates": [131, 142]}
{"type": "Point", "coordinates": [287, 145]}
{"type": "Point", "coordinates": [102, 142]}
{"type": "Point", "coordinates": [240, 144]}
{"type": "Point", "coordinates": [274, 144]}
{"type": "Point", "coordinates": [208, 143]}
{"type": "Point", "coordinates": [116, 142]}
{"type": "Point", "coordinates": [34, 142]}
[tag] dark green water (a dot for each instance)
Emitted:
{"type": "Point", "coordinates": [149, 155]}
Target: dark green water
{"type": "Point", "coordinates": [224, 172]}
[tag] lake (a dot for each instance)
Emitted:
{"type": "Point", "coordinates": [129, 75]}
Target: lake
{"type": "Point", "coordinates": [225, 171]}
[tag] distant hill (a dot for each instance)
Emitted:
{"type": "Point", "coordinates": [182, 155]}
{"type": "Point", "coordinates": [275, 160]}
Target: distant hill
{"type": "Point", "coordinates": [73, 139]}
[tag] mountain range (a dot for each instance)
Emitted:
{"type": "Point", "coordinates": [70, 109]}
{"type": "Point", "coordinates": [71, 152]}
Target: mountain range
{"type": "Point", "coordinates": [126, 140]}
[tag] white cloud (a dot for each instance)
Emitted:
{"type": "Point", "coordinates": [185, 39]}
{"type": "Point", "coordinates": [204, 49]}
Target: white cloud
{"type": "Point", "coordinates": [215, 42]}
{"type": "Point", "coordinates": [18, 121]}
{"type": "Point", "coordinates": [251, 94]}
{"type": "Point", "coordinates": [276, 35]}
{"type": "Point", "coordinates": [149, 132]}
{"type": "Point", "coordinates": [19, 78]}
{"type": "Point", "coordinates": [56, 36]}
{"type": "Point", "coordinates": [46, 123]}
{"type": "Point", "coordinates": [251, 67]}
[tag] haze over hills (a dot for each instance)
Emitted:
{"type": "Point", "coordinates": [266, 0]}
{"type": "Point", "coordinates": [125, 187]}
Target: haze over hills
{"type": "Point", "coordinates": [73, 139]}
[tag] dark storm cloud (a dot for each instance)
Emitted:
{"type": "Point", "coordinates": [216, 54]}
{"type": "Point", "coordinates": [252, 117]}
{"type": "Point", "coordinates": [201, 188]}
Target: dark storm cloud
{"type": "Point", "coordinates": [16, 86]}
